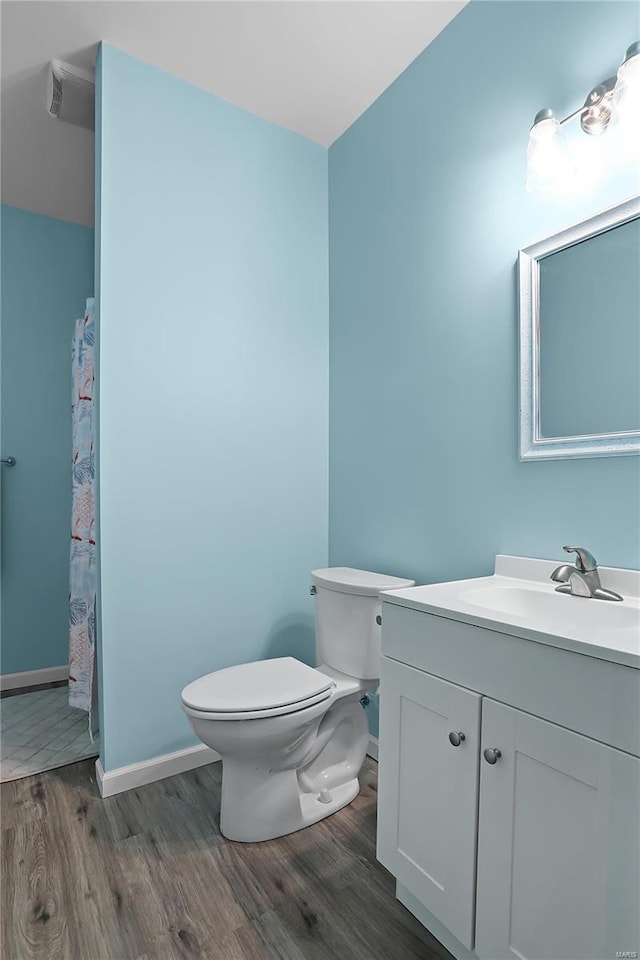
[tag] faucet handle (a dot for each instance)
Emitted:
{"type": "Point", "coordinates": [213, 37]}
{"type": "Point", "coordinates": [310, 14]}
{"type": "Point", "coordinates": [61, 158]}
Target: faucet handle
{"type": "Point", "coordinates": [586, 562]}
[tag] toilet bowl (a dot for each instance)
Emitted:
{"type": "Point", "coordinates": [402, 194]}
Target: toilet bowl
{"type": "Point", "coordinates": [293, 738]}
{"type": "Point", "coordinates": [288, 765]}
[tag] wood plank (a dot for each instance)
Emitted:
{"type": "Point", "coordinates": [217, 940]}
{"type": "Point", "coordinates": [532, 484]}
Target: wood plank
{"type": "Point", "coordinates": [146, 875]}
{"type": "Point", "coordinates": [22, 801]}
{"type": "Point", "coordinates": [35, 908]}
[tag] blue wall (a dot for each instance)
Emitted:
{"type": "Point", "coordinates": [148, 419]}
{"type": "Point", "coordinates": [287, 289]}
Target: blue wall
{"type": "Point", "coordinates": [213, 259]}
{"type": "Point", "coordinates": [427, 212]}
{"type": "Point", "coordinates": [47, 273]}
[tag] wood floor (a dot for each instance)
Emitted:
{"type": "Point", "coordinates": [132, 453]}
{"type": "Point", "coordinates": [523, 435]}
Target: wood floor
{"type": "Point", "coordinates": [146, 875]}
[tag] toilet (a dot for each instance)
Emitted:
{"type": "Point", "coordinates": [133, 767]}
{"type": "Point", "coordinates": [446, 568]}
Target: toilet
{"type": "Point", "coordinates": [292, 737]}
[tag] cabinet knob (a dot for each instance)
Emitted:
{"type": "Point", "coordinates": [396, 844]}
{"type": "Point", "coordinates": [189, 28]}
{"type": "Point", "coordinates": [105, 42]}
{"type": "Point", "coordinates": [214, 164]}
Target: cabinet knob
{"type": "Point", "coordinates": [379, 620]}
{"type": "Point", "coordinates": [456, 738]}
{"type": "Point", "coordinates": [492, 754]}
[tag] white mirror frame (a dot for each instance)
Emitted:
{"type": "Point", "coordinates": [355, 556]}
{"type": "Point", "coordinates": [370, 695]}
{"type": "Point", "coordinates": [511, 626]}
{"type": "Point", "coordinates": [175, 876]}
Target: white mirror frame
{"type": "Point", "coordinates": [532, 445]}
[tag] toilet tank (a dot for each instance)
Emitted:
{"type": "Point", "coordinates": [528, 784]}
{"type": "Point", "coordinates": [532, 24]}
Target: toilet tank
{"type": "Point", "coordinates": [347, 604]}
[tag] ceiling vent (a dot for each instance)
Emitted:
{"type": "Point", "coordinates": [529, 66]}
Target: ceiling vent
{"type": "Point", "coordinates": [71, 94]}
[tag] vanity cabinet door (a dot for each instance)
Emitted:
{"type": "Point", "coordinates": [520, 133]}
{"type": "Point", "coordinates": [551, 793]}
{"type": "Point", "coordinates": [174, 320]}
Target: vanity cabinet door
{"type": "Point", "coordinates": [558, 843]}
{"type": "Point", "coordinates": [428, 791]}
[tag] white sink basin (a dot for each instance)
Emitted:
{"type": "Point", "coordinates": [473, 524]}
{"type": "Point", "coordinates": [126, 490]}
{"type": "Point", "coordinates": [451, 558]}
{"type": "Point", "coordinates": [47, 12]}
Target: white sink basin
{"type": "Point", "coordinates": [557, 610]}
{"type": "Point", "coordinates": [521, 600]}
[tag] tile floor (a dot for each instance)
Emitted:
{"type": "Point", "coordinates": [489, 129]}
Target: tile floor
{"type": "Point", "coordinates": [40, 731]}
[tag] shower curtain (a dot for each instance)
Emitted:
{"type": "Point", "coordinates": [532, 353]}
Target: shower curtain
{"type": "Point", "coordinates": [82, 580]}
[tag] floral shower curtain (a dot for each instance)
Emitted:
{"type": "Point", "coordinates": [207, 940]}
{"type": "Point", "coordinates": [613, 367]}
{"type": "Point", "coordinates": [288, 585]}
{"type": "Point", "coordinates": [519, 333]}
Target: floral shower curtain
{"type": "Point", "coordinates": [82, 581]}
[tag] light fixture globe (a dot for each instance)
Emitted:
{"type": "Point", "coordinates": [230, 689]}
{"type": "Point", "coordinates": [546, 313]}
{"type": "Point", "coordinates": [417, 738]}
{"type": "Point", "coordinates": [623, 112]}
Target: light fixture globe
{"type": "Point", "coordinates": [626, 96]}
{"type": "Point", "coordinates": [549, 164]}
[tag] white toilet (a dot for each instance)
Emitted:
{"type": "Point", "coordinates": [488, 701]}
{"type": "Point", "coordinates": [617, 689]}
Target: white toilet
{"type": "Point", "coordinates": [293, 738]}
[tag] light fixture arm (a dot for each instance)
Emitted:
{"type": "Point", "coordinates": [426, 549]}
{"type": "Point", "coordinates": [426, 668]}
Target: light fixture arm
{"type": "Point", "coordinates": [572, 116]}
{"type": "Point", "coordinates": [597, 98]}
{"type": "Point", "coordinates": [597, 106]}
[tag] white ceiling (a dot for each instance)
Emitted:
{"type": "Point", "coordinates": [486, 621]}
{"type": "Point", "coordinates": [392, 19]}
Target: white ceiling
{"type": "Point", "coordinates": [310, 66]}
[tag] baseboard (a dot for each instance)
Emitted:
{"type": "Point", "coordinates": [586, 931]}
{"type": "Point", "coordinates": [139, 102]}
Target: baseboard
{"type": "Point", "coordinates": [32, 678]}
{"type": "Point", "coordinates": [148, 771]}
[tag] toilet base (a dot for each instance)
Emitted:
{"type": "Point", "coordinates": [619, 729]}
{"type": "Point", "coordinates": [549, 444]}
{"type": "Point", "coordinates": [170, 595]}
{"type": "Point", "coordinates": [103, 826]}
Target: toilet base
{"type": "Point", "coordinates": [260, 807]}
{"type": "Point", "coordinates": [314, 809]}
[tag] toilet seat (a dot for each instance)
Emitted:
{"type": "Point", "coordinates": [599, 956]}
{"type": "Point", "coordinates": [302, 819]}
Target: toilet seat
{"type": "Point", "coordinates": [324, 701]}
{"type": "Point", "coordinates": [250, 691]}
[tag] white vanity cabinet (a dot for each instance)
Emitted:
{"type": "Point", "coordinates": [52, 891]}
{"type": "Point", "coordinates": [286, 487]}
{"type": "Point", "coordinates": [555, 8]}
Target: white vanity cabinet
{"type": "Point", "coordinates": [522, 840]}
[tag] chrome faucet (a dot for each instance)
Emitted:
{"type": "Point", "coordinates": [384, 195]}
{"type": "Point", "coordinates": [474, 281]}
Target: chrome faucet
{"type": "Point", "coordinates": [583, 580]}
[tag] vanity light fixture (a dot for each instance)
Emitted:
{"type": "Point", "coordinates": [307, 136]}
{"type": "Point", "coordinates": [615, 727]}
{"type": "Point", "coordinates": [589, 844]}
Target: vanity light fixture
{"type": "Point", "coordinates": [616, 99]}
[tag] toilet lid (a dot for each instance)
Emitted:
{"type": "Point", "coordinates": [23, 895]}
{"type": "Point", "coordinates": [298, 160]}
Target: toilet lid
{"type": "Point", "coordinates": [263, 685]}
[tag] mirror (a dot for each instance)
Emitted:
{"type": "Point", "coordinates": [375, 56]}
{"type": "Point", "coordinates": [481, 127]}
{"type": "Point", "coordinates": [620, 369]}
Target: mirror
{"type": "Point", "coordinates": [580, 339]}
